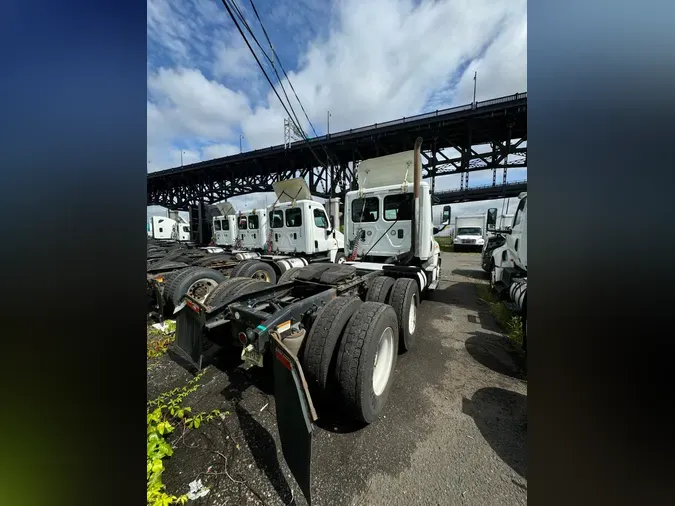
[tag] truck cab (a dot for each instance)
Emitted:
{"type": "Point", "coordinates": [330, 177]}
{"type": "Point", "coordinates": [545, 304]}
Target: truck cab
{"type": "Point", "coordinates": [183, 232]}
{"type": "Point", "coordinates": [163, 228]}
{"type": "Point", "coordinates": [225, 230]}
{"type": "Point", "coordinates": [252, 230]}
{"type": "Point", "coordinates": [512, 253]}
{"type": "Point", "coordinates": [300, 225]}
{"type": "Point", "coordinates": [379, 218]}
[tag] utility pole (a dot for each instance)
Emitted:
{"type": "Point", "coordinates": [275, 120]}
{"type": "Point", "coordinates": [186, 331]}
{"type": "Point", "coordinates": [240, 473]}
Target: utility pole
{"type": "Point", "coordinates": [475, 74]}
{"type": "Point", "coordinates": [240, 138]}
{"type": "Point", "coordinates": [181, 157]}
{"type": "Point", "coordinates": [328, 123]}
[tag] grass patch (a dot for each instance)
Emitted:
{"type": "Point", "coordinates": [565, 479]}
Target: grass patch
{"type": "Point", "coordinates": [507, 320]}
{"type": "Point", "coordinates": [445, 243]}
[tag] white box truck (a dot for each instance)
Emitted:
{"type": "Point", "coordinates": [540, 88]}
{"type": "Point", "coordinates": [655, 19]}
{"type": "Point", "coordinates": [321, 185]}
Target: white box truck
{"type": "Point", "coordinates": [469, 234]}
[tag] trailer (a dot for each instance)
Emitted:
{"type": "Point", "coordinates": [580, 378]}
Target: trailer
{"type": "Point", "coordinates": [332, 332]}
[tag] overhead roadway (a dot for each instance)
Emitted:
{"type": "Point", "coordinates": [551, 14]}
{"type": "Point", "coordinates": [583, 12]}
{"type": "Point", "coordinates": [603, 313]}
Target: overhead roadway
{"type": "Point", "coordinates": [487, 192]}
{"type": "Point", "coordinates": [500, 124]}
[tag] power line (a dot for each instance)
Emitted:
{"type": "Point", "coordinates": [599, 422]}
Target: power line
{"type": "Point", "coordinates": [294, 116]}
{"type": "Point", "coordinates": [329, 161]}
{"type": "Point", "coordinates": [230, 5]}
{"type": "Point", "coordinates": [255, 11]}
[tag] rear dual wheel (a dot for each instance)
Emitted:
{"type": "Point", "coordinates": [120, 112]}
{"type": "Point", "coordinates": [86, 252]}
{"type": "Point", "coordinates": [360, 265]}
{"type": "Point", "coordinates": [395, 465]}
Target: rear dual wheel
{"type": "Point", "coordinates": [353, 345]}
{"type": "Point", "coordinates": [197, 282]}
{"type": "Point", "coordinates": [255, 269]}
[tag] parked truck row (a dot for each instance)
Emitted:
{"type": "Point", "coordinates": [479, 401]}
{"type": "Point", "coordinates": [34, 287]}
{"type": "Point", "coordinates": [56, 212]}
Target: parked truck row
{"type": "Point", "coordinates": [261, 244]}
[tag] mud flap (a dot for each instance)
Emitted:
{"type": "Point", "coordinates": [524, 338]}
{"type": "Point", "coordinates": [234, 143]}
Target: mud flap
{"type": "Point", "coordinates": [189, 334]}
{"type": "Point", "coordinates": [295, 414]}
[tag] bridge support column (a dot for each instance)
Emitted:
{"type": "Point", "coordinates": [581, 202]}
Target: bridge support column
{"type": "Point", "coordinates": [433, 169]}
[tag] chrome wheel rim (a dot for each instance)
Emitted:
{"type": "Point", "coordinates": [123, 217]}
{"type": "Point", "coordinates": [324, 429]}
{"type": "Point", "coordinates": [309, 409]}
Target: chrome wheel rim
{"type": "Point", "coordinates": [412, 316]}
{"type": "Point", "coordinates": [201, 288]}
{"type": "Point", "coordinates": [384, 359]}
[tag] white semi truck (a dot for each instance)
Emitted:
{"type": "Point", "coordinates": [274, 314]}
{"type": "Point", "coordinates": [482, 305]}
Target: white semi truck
{"type": "Point", "coordinates": [507, 260]}
{"type": "Point", "coordinates": [168, 229]}
{"type": "Point", "coordinates": [331, 332]}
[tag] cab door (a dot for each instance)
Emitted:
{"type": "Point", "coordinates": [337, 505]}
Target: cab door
{"type": "Point", "coordinates": [396, 223]}
{"type": "Point", "coordinates": [321, 241]}
{"type": "Point", "coordinates": [293, 232]}
{"type": "Point", "coordinates": [229, 230]}
{"type": "Point", "coordinates": [242, 230]}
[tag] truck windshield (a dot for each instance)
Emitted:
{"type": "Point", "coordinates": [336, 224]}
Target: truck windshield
{"type": "Point", "coordinates": [469, 231]}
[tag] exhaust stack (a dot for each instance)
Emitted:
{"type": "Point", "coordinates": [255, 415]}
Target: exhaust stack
{"type": "Point", "coordinates": [417, 181]}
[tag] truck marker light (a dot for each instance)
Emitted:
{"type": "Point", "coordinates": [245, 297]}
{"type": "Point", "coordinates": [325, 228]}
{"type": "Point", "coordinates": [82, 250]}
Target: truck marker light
{"type": "Point", "coordinates": [242, 337]}
{"type": "Point", "coordinates": [192, 306]}
{"type": "Point", "coordinates": [284, 360]}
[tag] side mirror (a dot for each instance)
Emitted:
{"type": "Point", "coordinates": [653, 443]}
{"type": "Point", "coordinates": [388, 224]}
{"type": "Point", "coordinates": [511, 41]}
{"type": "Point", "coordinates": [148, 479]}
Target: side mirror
{"type": "Point", "coordinates": [446, 215]}
{"type": "Point", "coordinates": [491, 219]}
{"type": "Point", "coordinates": [436, 230]}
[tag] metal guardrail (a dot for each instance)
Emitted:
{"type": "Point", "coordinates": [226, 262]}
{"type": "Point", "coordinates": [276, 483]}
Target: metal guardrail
{"type": "Point", "coordinates": [468, 107]}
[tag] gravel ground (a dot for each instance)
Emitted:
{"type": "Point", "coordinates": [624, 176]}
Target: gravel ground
{"type": "Point", "coordinates": [453, 431]}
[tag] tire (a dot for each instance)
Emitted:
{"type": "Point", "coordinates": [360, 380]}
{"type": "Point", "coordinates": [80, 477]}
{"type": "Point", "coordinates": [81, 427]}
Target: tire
{"type": "Point", "coordinates": [261, 271]}
{"type": "Point", "coordinates": [340, 258]}
{"type": "Point", "coordinates": [236, 272]}
{"type": "Point", "coordinates": [319, 355]}
{"type": "Point", "coordinates": [257, 284]}
{"type": "Point", "coordinates": [356, 370]}
{"type": "Point", "coordinates": [405, 299]}
{"type": "Point", "coordinates": [170, 284]}
{"type": "Point", "coordinates": [380, 290]}
{"type": "Point", "coordinates": [198, 283]}
{"type": "Point", "coordinates": [224, 290]}
{"type": "Point", "coordinates": [289, 275]}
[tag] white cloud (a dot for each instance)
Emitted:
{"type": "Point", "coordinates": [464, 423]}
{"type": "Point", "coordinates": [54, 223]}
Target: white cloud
{"type": "Point", "coordinates": [186, 103]}
{"type": "Point", "coordinates": [384, 59]}
{"type": "Point", "coordinates": [219, 151]}
{"type": "Point", "coordinates": [366, 62]}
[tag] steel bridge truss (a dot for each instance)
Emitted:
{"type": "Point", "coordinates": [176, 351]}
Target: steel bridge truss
{"type": "Point", "coordinates": [486, 136]}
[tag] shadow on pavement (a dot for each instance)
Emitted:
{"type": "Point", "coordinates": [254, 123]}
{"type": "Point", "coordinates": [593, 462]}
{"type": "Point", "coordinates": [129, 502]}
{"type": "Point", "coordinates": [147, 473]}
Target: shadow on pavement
{"type": "Point", "coordinates": [264, 451]}
{"type": "Point", "coordinates": [497, 353]}
{"type": "Point", "coordinates": [461, 294]}
{"type": "Point", "coordinates": [501, 418]}
{"type": "Point", "coordinates": [472, 273]}
{"type": "Point", "coordinates": [258, 439]}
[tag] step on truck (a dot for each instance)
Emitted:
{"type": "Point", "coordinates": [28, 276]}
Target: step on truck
{"type": "Point", "coordinates": [300, 233]}
{"type": "Point", "coordinates": [505, 257]}
{"type": "Point", "coordinates": [331, 332]}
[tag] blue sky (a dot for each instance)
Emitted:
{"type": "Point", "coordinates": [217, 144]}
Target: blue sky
{"type": "Point", "coordinates": [366, 62]}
